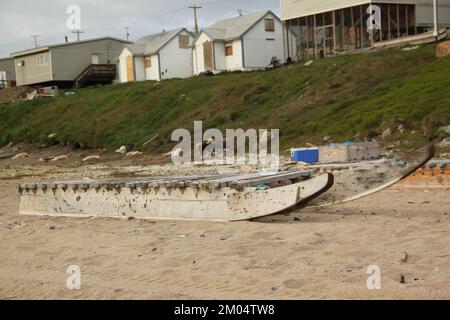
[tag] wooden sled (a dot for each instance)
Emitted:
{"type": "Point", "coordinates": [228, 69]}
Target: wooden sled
{"type": "Point", "coordinates": [217, 198]}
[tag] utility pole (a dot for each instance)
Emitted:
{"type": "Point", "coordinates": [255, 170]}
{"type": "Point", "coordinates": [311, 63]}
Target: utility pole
{"type": "Point", "coordinates": [435, 13]}
{"type": "Point", "coordinates": [35, 36]}
{"type": "Point", "coordinates": [127, 29]}
{"type": "Point", "coordinates": [195, 8]}
{"type": "Point", "coordinates": [78, 32]}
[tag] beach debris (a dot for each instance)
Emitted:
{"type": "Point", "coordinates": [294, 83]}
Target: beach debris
{"type": "Point", "coordinates": [308, 63]}
{"type": "Point", "coordinates": [262, 186]}
{"type": "Point", "coordinates": [59, 158]}
{"type": "Point", "coordinates": [52, 135]}
{"type": "Point", "coordinates": [410, 48]}
{"type": "Point", "coordinates": [386, 133]}
{"type": "Point", "coordinates": [131, 218]}
{"type": "Point", "coordinates": [51, 91]}
{"type": "Point", "coordinates": [150, 140]}
{"type": "Point", "coordinates": [21, 155]}
{"type": "Point", "coordinates": [402, 279]}
{"type": "Point", "coordinates": [247, 169]}
{"type": "Point", "coordinates": [182, 236]}
{"type": "Point", "coordinates": [90, 158]}
{"type": "Point", "coordinates": [444, 143]}
{"type": "Point", "coordinates": [125, 149]}
{"type": "Point", "coordinates": [122, 150]}
{"type": "Point", "coordinates": [445, 129]}
{"type": "Point", "coordinates": [134, 154]}
{"type": "Point", "coordinates": [15, 225]}
{"type": "Point", "coordinates": [46, 159]}
{"type": "Point", "coordinates": [203, 234]}
{"type": "Point", "coordinates": [404, 257]}
{"type": "Point", "coordinates": [55, 227]}
{"type": "Point", "coordinates": [32, 95]}
{"type": "Point", "coordinates": [225, 237]}
{"type": "Point", "coordinates": [69, 93]}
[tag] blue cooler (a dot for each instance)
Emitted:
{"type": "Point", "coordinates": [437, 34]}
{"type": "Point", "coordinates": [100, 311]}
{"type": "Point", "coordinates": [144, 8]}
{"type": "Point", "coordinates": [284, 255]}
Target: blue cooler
{"type": "Point", "coordinates": [307, 155]}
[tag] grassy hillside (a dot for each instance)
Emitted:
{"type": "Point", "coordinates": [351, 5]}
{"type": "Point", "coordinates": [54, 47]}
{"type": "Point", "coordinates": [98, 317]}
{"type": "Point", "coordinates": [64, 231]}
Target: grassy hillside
{"type": "Point", "coordinates": [347, 97]}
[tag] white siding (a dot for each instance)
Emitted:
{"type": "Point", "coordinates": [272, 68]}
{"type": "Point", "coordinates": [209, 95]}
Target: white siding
{"type": "Point", "coordinates": [299, 8]}
{"type": "Point", "coordinates": [152, 73]}
{"type": "Point", "coordinates": [176, 62]}
{"type": "Point", "coordinates": [139, 68]}
{"type": "Point", "coordinates": [123, 76]}
{"type": "Point", "coordinates": [424, 13]}
{"type": "Point", "coordinates": [258, 49]}
{"type": "Point", "coordinates": [234, 62]}
{"type": "Point", "coordinates": [199, 62]}
{"type": "Point", "coordinates": [219, 61]}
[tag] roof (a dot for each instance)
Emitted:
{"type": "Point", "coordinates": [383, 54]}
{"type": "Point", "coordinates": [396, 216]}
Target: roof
{"type": "Point", "coordinates": [153, 43]}
{"type": "Point", "coordinates": [234, 28]}
{"type": "Point", "coordinates": [46, 48]}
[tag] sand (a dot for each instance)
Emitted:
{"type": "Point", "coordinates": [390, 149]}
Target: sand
{"type": "Point", "coordinates": [323, 254]}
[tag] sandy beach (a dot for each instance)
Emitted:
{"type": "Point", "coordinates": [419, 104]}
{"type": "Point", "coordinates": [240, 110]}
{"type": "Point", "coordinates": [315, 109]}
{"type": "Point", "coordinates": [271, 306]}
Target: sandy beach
{"type": "Point", "coordinates": [311, 254]}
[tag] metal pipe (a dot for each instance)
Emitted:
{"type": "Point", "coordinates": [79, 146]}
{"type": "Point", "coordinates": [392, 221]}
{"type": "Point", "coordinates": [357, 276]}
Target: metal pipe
{"type": "Point", "coordinates": [435, 13]}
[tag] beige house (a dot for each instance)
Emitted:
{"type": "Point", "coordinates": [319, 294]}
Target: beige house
{"type": "Point", "coordinates": [7, 71]}
{"type": "Point", "coordinates": [68, 63]}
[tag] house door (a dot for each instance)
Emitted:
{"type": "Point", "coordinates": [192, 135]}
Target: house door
{"type": "Point", "coordinates": [207, 55]}
{"type": "Point", "coordinates": [95, 59]}
{"type": "Point", "coordinates": [130, 68]}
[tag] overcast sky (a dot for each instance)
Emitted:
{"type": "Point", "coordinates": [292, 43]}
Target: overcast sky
{"type": "Point", "coordinates": [47, 18]}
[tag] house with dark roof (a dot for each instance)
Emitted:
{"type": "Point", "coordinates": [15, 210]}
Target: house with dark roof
{"type": "Point", "coordinates": [243, 43]}
{"type": "Point", "coordinates": [157, 57]}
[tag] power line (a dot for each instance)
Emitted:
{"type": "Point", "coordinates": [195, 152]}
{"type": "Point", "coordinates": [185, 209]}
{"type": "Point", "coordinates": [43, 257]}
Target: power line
{"type": "Point", "coordinates": [195, 8]}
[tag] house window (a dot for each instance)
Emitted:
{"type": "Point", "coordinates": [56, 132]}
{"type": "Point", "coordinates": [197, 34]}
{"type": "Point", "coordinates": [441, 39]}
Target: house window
{"type": "Point", "coordinates": [148, 63]}
{"type": "Point", "coordinates": [183, 41]}
{"type": "Point", "coordinates": [228, 49]}
{"type": "Point", "coordinates": [42, 59]}
{"type": "Point", "coordinates": [270, 25]}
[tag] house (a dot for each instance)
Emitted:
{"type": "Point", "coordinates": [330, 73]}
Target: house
{"type": "Point", "coordinates": [159, 56]}
{"type": "Point", "coordinates": [79, 62]}
{"type": "Point", "coordinates": [242, 43]}
{"type": "Point", "coordinates": [7, 72]}
{"type": "Point", "coordinates": [314, 28]}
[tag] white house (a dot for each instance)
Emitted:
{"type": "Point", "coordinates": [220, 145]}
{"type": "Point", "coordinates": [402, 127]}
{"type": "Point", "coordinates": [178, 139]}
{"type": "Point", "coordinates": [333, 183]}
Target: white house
{"type": "Point", "coordinates": [242, 43]}
{"type": "Point", "coordinates": [159, 56]}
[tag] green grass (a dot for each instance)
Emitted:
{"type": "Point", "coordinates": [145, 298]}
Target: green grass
{"type": "Point", "coordinates": [347, 98]}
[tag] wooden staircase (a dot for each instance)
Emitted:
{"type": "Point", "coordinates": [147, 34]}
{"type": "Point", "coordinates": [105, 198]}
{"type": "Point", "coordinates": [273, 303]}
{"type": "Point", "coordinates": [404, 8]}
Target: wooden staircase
{"type": "Point", "coordinates": [96, 74]}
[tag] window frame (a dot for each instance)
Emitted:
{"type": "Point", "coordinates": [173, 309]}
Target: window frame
{"type": "Point", "coordinates": [180, 42]}
{"type": "Point", "coordinates": [229, 46]}
{"type": "Point", "coordinates": [266, 26]}
{"type": "Point", "coordinates": [45, 60]}
{"type": "Point", "coordinates": [147, 63]}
